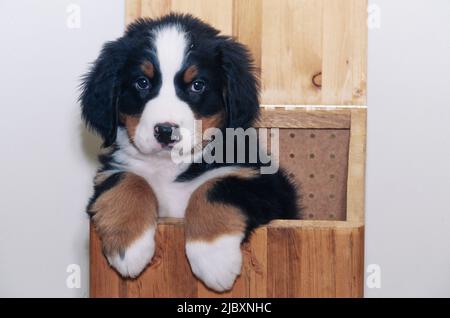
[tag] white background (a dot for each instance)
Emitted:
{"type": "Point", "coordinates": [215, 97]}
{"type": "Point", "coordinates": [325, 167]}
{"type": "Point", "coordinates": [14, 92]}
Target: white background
{"type": "Point", "coordinates": [47, 158]}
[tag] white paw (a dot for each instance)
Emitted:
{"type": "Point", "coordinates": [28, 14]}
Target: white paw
{"type": "Point", "coordinates": [136, 257]}
{"type": "Point", "coordinates": [216, 263]}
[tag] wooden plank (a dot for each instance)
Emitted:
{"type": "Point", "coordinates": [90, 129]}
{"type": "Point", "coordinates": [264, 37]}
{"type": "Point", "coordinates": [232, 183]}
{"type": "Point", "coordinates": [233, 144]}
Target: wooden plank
{"type": "Point", "coordinates": [132, 11]}
{"type": "Point", "coordinates": [283, 259]}
{"type": "Point", "coordinates": [312, 224]}
{"type": "Point", "coordinates": [356, 166]}
{"type": "Point", "coordinates": [169, 274]}
{"type": "Point", "coordinates": [304, 118]}
{"type": "Point", "coordinates": [315, 262]}
{"type": "Point", "coordinates": [345, 52]}
{"type": "Point", "coordinates": [155, 8]}
{"type": "Point", "coordinates": [358, 20]}
{"type": "Point", "coordinates": [281, 223]}
{"type": "Point", "coordinates": [253, 279]}
{"type": "Point", "coordinates": [291, 51]}
{"type": "Point", "coordinates": [218, 13]}
{"type": "Point", "coordinates": [349, 244]}
{"type": "Point", "coordinates": [103, 280]}
{"type": "Point", "coordinates": [256, 267]}
{"type": "Point", "coordinates": [337, 42]}
{"type": "Point", "coordinates": [247, 26]}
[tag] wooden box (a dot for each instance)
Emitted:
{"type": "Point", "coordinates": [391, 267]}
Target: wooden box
{"type": "Point", "coordinates": [312, 60]}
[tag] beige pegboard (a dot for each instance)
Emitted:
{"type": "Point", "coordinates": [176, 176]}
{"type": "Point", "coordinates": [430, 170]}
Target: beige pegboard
{"type": "Point", "coordinates": [317, 159]}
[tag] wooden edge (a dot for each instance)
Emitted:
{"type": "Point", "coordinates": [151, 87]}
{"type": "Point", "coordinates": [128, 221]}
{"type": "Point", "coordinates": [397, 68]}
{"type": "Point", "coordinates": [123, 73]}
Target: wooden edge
{"type": "Point", "coordinates": [313, 224]}
{"type": "Point", "coordinates": [356, 166]}
{"type": "Point", "coordinates": [279, 260]}
{"type": "Point", "coordinates": [91, 259]}
{"type": "Point", "coordinates": [171, 221]}
{"type": "Point", "coordinates": [103, 282]}
{"type": "Point", "coordinates": [304, 118]}
{"type": "Point", "coordinates": [283, 223]}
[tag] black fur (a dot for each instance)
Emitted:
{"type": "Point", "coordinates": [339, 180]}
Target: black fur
{"type": "Point", "coordinates": [261, 199]}
{"type": "Point", "coordinates": [99, 98]}
{"type": "Point", "coordinates": [241, 94]}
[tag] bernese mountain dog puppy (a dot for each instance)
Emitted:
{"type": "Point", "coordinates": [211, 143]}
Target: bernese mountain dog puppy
{"type": "Point", "coordinates": [146, 95]}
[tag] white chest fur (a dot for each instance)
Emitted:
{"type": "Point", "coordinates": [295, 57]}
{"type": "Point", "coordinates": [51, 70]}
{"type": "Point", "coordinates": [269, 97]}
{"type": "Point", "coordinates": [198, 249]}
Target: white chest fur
{"type": "Point", "coordinates": [160, 172]}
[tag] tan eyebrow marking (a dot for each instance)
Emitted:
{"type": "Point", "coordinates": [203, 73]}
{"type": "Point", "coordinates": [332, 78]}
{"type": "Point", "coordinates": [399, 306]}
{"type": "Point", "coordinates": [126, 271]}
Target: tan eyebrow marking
{"type": "Point", "coordinates": [148, 69]}
{"type": "Point", "coordinates": [190, 73]}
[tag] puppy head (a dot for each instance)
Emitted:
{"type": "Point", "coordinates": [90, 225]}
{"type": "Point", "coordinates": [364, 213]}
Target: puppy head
{"type": "Point", "coordinates": [161, 77]}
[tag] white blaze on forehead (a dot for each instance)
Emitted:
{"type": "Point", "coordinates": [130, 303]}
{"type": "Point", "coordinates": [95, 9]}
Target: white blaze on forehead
{"type": "Point", "coordinates": [171, 43]}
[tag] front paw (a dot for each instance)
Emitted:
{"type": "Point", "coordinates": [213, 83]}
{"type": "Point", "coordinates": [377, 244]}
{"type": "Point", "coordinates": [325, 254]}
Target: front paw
{"type": "Point", "coordinates": [216, 263]}
{"type": "Point", "coordinates": [132, 260]}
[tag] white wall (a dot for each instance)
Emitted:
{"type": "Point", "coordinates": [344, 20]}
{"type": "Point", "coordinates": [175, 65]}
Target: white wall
{"type": "Point", "coordinates": [408, 176]}
{"type": "Point", "coordinates": [47, 157]}
{"type": "Point", "coordinates": [45, 165]}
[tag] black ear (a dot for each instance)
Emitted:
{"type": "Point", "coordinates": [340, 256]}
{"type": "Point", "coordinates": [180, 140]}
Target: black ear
{"type": "Point", "coordinates": [242, 86]}
{"type": "Point", "coordinates": [101, 89]}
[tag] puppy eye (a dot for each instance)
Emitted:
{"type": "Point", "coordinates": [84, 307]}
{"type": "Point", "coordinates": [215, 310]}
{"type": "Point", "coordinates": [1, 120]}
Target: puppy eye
{"type": "Point", "coordinates": [142, 83]}
{"type": "Point", "coordinates": [198, 86]}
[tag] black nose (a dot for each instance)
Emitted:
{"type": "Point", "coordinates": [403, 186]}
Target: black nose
{"type": "Point", "coordinates": [167, 133]}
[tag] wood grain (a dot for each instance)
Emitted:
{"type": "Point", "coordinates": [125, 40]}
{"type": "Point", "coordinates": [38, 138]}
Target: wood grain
{"type": "Point", "coordinates": [345, 35]}
{"type": "Point", "coordinates": [308, 51]}
{"type": "Point", "coordinates": [133, 10]}
{"type": "Point", "coordinates": [215, 12]}
{"type": "Point", "coordinates": [104, 282]}
{"type": "Point", "coordinates": [291, 51]}
{"type": "Point", "coordinates": [218, 13]}
{"type": "Point", "coordinates": [357, 166]}
{"type": "Point", "coordinates": [154, 9]}
{"type": "Point", "coordinates": [247, 26]}
{"type": "Point", "coordinates": [320, 261]}
{"type": "Point", "coordinates": [283, 259]}
{"type": "Point", "coordinates": [304, 118]}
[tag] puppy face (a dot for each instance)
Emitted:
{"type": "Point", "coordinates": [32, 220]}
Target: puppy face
{"type": "Point", "coordinates": [167, 90]}
{"type": "Point", "coordinates": [162, 77]}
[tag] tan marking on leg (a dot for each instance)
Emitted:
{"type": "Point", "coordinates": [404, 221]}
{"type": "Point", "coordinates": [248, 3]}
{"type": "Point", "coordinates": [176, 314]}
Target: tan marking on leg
{"type": "Point", "coordinates": [148, 69]}
{"type": "Point", "coordinates": [124, 212]}
{"type": "Point", "coordinates": [190, 73]}
{"type": "Point", "coordinates": [207, 220]}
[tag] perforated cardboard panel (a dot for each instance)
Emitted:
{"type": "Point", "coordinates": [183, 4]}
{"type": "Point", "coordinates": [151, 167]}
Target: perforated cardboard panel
{"type": "Point", "coordinates": [317, 161]}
